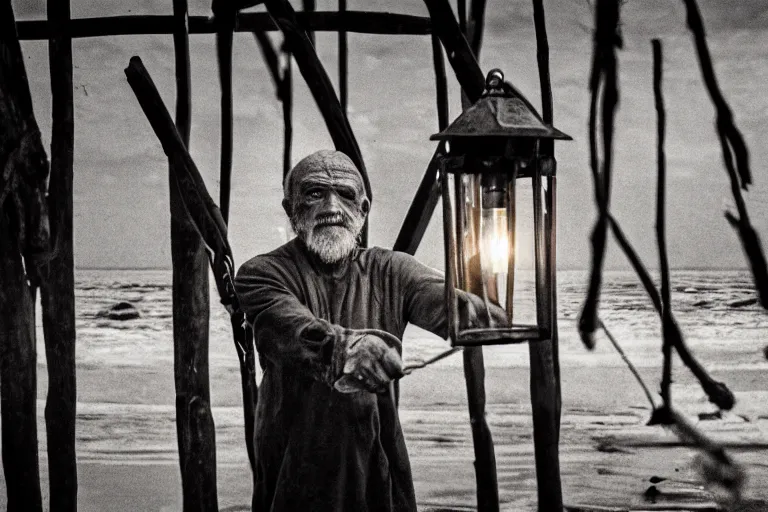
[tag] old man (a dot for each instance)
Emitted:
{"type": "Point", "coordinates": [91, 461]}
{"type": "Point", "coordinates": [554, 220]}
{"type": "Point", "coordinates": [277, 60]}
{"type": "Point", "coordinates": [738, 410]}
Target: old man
{"type": "Point", "coordinates": [327, 317]}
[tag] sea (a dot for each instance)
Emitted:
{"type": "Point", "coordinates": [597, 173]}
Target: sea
{"type": "Point", "coordinates": [717, 310]}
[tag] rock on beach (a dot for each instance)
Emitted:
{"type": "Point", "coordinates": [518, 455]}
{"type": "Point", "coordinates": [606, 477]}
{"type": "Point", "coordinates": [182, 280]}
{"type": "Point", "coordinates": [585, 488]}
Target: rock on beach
{"type": "Point", "coordinates": [120, 311]}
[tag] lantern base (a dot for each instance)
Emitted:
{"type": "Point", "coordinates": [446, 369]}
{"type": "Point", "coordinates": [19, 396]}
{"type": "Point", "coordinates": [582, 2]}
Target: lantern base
{"type": "Point", "coordinates": [499, 336]}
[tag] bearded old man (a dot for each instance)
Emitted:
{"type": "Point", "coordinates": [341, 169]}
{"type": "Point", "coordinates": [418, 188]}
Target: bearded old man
{"type": "Point", "coordinates": [327, 317]}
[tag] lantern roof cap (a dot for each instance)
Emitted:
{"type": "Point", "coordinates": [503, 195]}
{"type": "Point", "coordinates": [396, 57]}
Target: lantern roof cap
{"type": "Point", "coordinates": [502, 111]}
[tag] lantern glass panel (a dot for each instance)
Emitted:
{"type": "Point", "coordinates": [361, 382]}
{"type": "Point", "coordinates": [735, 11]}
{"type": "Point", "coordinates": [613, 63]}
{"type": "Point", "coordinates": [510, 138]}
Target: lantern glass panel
{"type": "Point", "coordinates": [488, 214]}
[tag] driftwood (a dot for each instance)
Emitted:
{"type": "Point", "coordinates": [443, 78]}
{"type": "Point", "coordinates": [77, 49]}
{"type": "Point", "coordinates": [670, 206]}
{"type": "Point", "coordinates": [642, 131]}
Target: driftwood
{"type": "Point", "coordinates": [57, 290]}
{"type": "Point", "coordinates": [603, 79]}
{"type": "Point", "coordinates": [24, 240]}
{"type": "Point", "coordinates": [191, 308]}
{"type": "Point", "coordinates": [351, 21]}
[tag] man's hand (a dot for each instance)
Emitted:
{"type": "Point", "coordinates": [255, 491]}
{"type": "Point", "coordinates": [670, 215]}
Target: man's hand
{"type": "Point", "coordinates": [473, 313]}
{"type": "Point", "coordinates": [370, 365]}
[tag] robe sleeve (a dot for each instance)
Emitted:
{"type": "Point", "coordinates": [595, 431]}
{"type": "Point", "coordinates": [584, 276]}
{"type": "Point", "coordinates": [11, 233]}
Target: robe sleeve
{"type": "Point", "coordinates": [423, 291]}
{"type": "Point", "coordinates": [285, 330]}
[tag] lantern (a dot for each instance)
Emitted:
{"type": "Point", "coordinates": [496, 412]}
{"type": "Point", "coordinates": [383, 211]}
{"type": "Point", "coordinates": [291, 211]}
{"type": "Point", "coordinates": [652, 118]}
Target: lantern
{"type": "Point", "coordinates": [491, 146]}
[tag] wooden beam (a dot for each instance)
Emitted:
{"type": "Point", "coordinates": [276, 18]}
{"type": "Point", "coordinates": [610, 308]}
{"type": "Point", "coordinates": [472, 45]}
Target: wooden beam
{"type": "Point", "coordinates": [286, 97]}
{"type": "Point", "coordinates": [320, 21]}
{"type": "Point", "coordinates": [299, 45]}
{"type": "Point", "coordinates": [343, 61]}
{"type": "Point", "coordinates": [191, 310]}
{"type": "Point", "coordinates": [24, 167]}
{"type": "Point", "coordinates": [475, 26]}
{"type": "Point", "coordinates": [471, 79]}
{"type": "Point", "coordinates": [545, 387]}
{"type": "Point", "coordinates": [309, 6]}
{"type": "Point", "coordinates": [225, 21]}
{"type": "Point", "coordinates": [57, 289]}
{"type": "Point", "coordinates": [460, 56]}
{"type": "Point", "coordinates": [199, 207]}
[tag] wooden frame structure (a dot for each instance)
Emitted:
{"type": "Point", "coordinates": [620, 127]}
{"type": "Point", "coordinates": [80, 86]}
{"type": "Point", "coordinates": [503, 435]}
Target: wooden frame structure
{"type": "Point", "coordinates": [460, 40]}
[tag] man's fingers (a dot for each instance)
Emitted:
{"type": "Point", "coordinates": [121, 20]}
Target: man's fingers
{"type": "Point", "coordinates": [392, 364]}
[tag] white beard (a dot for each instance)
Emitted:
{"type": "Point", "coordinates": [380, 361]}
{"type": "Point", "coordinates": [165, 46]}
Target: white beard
{"type": "Point", "coordinates": [331, 244]}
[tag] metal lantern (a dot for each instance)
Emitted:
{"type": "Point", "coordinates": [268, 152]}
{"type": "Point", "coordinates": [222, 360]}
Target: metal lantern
{"type": "Point", "coordinates": [490, 146]}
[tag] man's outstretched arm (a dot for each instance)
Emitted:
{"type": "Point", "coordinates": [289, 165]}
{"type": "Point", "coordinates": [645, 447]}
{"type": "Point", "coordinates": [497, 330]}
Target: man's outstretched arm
{"type": "Point", "coordinates": [424, 293]}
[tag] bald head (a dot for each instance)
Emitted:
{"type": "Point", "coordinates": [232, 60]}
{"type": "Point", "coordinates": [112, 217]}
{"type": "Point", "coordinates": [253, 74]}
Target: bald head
{"type": "Point", "coordinates": [326, 162]}
{"type": "Point", "coordinates": [324, 196]}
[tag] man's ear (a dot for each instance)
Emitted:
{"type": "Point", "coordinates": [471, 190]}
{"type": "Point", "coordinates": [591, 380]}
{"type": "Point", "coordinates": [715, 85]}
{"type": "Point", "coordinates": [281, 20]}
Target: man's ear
{"type": "Point", "coordinates": [366, 206]}
{"type": "Point", "coordinates": [288, 208]}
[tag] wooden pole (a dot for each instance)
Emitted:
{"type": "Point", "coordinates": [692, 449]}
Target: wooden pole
{"type": "Point", "coordinates": [472, 82]}
{"type": "Point", "coordinates": [544, 358]}
{"type": "Point", "coordinates": [343, 61]}
{"type": "Point", "coordinates": [474, 362]}
{"type": "Point", "coordinates": [352, 21]}
{"type": "Point", "coordinates": [57, 291]}
{"type": "Point", "coordinates": [23, 231]}
{"type": "Point", "coordinates": [224, 15]}
{"type": "Point", "coordinates": [460, 55]}
{"type": "Point", "coordinates": [191, 309]}
{"type": "Point", "coordinates": [661, 238]}
{"type": "Point", "coordinates": [286, 96]}
{"type": "Point", "coordinates": [309, 6]}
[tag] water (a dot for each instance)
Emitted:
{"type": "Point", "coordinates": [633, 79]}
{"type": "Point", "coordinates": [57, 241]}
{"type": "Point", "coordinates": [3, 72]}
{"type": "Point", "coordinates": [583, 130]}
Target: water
{"type": "Point", "coordinates": [128, 357]}
{"type": "Point", "coordinates": [707, 305]}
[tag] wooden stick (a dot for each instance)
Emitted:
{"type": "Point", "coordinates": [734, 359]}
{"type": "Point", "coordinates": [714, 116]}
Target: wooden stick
{"type": "Point", "coordinates": [57, 291]}
{"type": "Point", "coordinates": [421, 209]}
{"type": "Point", "coordinates": [206, 217]}
{"type": "Point", "coordinates": [544, 358]}
{"type": "Point", "coordinates": [603, 85]}
{"type": "Point", "coordinates": [734, 149]}
{"type": "Point", "coordinates": [270, 57]}
{"type": "Point", "coordinates": [463, 58]}
{"type": "Point", "coordinates": [21, 156]}
{"type": "Point", "coordinates": [286, 96]}
{"type": "Point", "coordinates": [460, 56]}
{"type": "Point", "coordinates": [191, 311]}
{"type": "Point", "coordinates": [225, 20]}
{"type": "Point", "coordinates": [343, 61]}
{"type": "Point", "coordinates": [475, 24]}
{"type": "Point", "coordinates": [298, 44]}
{"type": "Point", "coordinates": [309, 6]}
{"type": "Point", "coordinates": [441, 84]}
{"type": "Point", "coordinates": [471, 78]}
{"type": "Point", "coordinates": [485, 455]}
{"type": "Point", "coordinates": [717, 392]}
{"type": "Point", "coordinates": [661, 239]}
{"type": "Point", "coordinates": [321, 21]}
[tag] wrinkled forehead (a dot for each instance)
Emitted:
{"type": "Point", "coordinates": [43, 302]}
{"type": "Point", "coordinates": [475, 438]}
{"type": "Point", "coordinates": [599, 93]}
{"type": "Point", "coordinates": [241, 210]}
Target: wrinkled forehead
{"type": "Point", "coordinates": [324, 168]}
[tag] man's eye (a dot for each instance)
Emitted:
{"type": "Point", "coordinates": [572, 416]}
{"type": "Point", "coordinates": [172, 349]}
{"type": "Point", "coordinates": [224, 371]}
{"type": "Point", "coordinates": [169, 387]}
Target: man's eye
{"type": "Point", "coordinates": [348, 194]}
{"type": "Point", "coordinates": [315, 194]}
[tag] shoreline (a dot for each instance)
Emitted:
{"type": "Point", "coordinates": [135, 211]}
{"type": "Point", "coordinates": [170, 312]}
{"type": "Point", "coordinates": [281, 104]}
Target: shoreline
{"type": "Point", "coordinates": [607, 454]}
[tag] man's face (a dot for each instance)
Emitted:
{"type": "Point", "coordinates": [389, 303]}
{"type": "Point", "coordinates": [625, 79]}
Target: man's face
{"type": "Point", "coordinates": [328, 209]}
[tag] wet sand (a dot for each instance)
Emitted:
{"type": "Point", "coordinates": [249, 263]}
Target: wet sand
{"type": "Point", "coordinates": [608, 455]}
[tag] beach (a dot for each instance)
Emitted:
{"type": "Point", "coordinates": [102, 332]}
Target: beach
{"type": "Point", "coordinates": [126, 437]}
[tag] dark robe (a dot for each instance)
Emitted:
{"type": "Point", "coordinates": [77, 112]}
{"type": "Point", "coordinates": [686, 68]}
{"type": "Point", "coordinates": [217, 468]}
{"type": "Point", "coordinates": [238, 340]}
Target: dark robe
{"type": "Point", "coordinates": [316, 448]}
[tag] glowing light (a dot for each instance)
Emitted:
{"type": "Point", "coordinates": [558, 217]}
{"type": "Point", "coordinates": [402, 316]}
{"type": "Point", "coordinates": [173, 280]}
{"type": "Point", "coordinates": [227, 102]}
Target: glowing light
{"type": "Point", "coordinates": [494, 248]}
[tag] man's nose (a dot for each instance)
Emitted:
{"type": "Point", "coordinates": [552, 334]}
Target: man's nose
{"type": "Point", "coordinates": [333, 202]}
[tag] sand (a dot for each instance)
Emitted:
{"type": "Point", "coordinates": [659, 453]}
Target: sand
{"type": "Point", "coordinates": [608, 455]}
